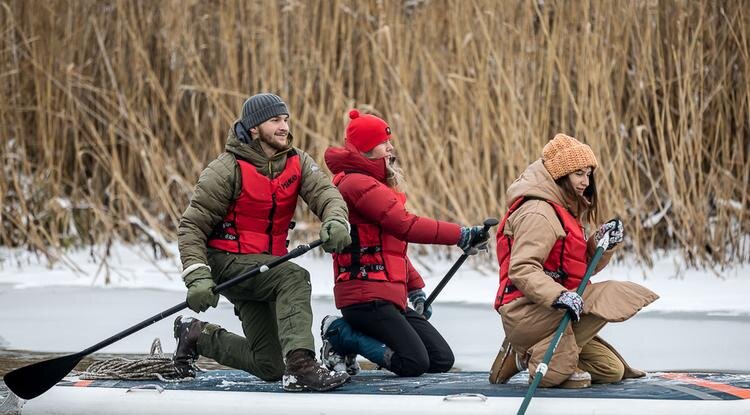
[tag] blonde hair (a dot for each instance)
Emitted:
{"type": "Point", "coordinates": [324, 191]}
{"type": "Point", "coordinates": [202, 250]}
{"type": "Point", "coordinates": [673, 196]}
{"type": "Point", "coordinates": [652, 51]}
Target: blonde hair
{"type": "Point", "coordinates": [394, 174]}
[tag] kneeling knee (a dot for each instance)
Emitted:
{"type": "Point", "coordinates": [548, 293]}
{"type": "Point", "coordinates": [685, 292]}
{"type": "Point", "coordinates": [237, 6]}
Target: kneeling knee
{"type": "Point", "coordinates": [613, 372]}
{"type": "Point", "coordinates": [269, 371]}
{"type": "Point", "coordinates": [442, 364]}
{"type": "Point", "coordinates": [412, 368]}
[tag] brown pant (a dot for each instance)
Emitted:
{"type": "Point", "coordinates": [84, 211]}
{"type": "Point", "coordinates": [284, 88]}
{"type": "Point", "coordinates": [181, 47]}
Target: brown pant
{"type": "Point", "coordinates": [601, 362]}
{"type": "Point", "coordinates": [529, 328]}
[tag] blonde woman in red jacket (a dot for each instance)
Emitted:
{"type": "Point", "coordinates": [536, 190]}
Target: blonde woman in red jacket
{"type": "Point", "coordinates": [373, 276]}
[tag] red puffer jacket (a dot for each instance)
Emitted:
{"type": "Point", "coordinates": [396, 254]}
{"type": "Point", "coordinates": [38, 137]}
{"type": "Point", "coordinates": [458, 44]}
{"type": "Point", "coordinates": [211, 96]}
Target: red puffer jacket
{"type": "Point", "coordinates": [375, 266]}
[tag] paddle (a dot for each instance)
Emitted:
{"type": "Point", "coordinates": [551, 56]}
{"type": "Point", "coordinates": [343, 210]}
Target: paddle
{"type": "Point", "coordinates": [541, 368]}
{"type": "Point", "coordinates": [488, 223]}
{"type": "Point", "coordinates": [30, 381]}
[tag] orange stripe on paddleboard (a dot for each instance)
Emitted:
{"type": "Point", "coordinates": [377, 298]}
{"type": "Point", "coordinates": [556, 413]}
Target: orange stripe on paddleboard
{"type": "Point", "coordinates": [83, 383]}
{"type": "Point", "coordinates": [721, 387]}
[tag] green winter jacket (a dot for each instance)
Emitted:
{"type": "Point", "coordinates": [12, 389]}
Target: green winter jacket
{"type": "Point", "coordinates": [220, 184]}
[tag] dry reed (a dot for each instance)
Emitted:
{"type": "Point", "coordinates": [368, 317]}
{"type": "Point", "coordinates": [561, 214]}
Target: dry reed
{"type": "Point", "coordinates": [111, 109]}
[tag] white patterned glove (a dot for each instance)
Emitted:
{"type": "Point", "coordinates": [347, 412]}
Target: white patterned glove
{"type": "Point", "coordinates": [616, 233]}
{"type": "Point", "coordinates": [572, 302]}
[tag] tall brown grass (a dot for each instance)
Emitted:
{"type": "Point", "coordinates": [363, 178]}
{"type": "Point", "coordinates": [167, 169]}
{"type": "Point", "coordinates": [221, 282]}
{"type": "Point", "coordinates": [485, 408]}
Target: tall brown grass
{"type": "Point", "coordinates": [110, 109]}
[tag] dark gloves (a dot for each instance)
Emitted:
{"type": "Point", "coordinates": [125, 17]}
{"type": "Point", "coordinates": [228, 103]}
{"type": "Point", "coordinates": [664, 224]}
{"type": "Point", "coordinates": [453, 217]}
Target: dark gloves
{"type": "Point", "coordinates": [473, 239]}
{"type": "Point", "coordinates": [570, 301]}
{"type": "Point", "coordinates": [200, 293]}
{"type": "Point", "coordinates": [616, 234]}
{"type": "Point", "coordinates": [335, 235]}
{"type": "Point", "coordinates": [417, 298]}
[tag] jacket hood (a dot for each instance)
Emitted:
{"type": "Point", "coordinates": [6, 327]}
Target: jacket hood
{"type": "Point", "coordinates": [347, 159]}
{"type": "Point", "coordinates": [241, 144]}
{"type": "Point", "coordinates": [536, 181]}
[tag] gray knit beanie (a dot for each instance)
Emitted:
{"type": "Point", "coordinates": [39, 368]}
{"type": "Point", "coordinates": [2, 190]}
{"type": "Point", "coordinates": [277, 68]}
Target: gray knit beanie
{"type": "Point", "coordinates": [261, 107]}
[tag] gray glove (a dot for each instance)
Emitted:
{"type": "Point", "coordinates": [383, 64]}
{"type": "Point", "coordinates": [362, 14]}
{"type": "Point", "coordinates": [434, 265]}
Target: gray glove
{"type": "Point", "coordinates": [200, 293]}
{"type": "Point", "coordinates": [335, 235]}
{"type": "Point", "coordinates": [616, 234]}
{"type": "Point", "coordinates": [473, 239]}
{"type": "Point", "coordinates": [572, 302]}
{"type": "Point", "coordinates": [417, 299]}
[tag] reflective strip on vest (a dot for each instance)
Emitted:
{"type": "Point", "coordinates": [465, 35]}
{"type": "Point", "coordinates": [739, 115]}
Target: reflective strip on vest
{"type": "Point", "coordinates": [566, 262]}
{"type": "Point", "coordinates": [259, 220]}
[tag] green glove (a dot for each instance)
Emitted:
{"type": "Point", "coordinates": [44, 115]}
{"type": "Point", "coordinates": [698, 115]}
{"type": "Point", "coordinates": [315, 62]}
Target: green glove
{"type": "Point", "coordinates": [335, 235]}
{"type": "Point", "coordinates": [200, 293]}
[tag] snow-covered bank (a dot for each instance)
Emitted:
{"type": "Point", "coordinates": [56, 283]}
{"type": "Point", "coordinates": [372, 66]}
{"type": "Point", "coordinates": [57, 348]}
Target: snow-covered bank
{"type": "Point", "coordinates": [133, 266]}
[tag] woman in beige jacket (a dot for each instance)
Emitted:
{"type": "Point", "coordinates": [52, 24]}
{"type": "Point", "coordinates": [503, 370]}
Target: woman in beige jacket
{"type": "Point", "coordinates": [543, 253]}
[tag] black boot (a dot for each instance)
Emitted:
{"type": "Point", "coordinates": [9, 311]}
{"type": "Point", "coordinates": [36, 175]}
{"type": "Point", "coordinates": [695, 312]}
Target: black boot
{"type": "Point", "coordinates": [186, 332]}
{"type": "Point", "coordinates": [303, 372]}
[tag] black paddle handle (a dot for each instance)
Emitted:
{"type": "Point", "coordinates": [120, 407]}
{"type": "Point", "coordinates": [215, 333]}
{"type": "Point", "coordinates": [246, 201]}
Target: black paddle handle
{"type": "Point", "coordinates": [218, 289]}
{"type": "Point", "coordinates": [125, 333]}
{"type": "Point", "coordinates": [445, 280]}
{"type": "Point", "coordinates": [488, 223]}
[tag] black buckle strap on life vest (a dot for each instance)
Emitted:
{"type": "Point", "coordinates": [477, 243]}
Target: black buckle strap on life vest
{"type": "Point", "coordinates": [558, 275]}
{"type": "Point", "coordinates": [509, 288]}
{"type": "Point", "coordinates": [361, 272]}
{"type": "Point", "coordinates": [362, 250]}
{"type": "Point", "coordinates": [356, 254]}
{"type": "Point", "coordinates": [356, 248]}
{"type": "Point", "coordinates": [220, 231]}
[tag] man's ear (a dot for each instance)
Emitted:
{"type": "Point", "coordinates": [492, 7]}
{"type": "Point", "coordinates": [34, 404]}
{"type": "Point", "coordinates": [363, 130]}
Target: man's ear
{"type": "Point", "coordinates": [254, 130]}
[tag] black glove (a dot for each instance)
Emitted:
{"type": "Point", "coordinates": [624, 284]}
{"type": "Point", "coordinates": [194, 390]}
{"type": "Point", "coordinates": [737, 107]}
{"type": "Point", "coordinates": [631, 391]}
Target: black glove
{"type": "Point", "coordinates": [616, 233]}
{"type": "Point", "coordinates": [417, 299]}
{"type": "Point", "coordinates": [570, 301]}
{"type": "Point", "coordinates": [473, 239]}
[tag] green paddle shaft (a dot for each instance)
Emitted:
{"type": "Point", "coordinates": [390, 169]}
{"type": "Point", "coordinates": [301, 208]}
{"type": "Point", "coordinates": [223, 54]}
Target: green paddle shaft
{"type": "Point", "coordinates": [541, 368]}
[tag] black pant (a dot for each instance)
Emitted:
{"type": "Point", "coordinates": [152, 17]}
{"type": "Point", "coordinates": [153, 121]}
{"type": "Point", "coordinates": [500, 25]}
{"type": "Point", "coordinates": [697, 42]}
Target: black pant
{"type": "Point", "coordinates": [417, 346]}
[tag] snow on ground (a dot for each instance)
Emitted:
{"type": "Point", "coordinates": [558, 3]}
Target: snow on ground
{"type": "Point", "coordinates": [133, 266]}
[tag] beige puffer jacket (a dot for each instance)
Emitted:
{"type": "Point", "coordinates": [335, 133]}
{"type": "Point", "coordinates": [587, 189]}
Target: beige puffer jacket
{"type": "Point", "coordinates": [535, 228]}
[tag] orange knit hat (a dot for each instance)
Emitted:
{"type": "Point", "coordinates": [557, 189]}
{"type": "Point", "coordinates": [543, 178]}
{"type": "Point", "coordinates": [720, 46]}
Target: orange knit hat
{"type": "Point", "coordinates": [564, 155]}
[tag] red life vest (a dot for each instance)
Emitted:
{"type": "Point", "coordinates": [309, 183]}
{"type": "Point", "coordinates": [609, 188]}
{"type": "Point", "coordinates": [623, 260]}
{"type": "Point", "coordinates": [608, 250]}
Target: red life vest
{"type": "Point", "coordinates": [566, 262]}
{"type": "Point", "coordinates": [373, 255]}
{"type": "Point", "coordinates": [259, 220]}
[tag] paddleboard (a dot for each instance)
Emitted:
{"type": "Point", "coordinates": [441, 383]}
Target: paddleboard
{"type": "Point", "coordinates": [376, 392]}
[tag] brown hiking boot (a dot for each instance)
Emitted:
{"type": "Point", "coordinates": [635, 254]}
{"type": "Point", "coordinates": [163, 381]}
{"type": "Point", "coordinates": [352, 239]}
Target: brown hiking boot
{"type": "Point", "coordinates": [506, 364]}
{"type": "Point", "coordinates": [580, 379]}
{"type": "Point", "coordinates": [303, 372]}
{"type": "Point", "coordinates": [186, 332]}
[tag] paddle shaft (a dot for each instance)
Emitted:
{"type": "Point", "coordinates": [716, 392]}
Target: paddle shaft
{"type": "Point", "coordinates": [33, 380]}
{"type": "Point", "coordinates": [218, 289]}
{"type": "Point", "coordinates": [541, 368]}
{"type": "Point", "coordinates": [488, 223]}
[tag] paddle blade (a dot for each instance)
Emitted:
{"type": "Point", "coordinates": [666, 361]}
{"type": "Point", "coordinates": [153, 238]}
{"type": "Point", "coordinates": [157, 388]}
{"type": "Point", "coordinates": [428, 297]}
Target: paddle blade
{"type": "Point", "coordinates": [30, 381]}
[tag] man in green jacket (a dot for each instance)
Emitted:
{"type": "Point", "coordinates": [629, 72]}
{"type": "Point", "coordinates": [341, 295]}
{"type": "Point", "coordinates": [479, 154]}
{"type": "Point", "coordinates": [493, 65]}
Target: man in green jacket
{"type": "Point", "coordinates": [238, 218]}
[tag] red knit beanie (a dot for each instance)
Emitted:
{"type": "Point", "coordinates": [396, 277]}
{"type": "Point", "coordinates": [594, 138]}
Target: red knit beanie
{"type": "Point", "coordinates": [366, 131]}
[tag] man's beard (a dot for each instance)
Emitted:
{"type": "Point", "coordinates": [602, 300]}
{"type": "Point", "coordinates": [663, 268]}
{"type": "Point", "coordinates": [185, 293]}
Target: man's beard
{"type": "Point", "coordinates": [268, 139]}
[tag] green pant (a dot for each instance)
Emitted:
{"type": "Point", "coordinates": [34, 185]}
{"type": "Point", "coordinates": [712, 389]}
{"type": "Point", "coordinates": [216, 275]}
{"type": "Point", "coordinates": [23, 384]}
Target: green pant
{"type": "Point", "coordinates": [274, 308]}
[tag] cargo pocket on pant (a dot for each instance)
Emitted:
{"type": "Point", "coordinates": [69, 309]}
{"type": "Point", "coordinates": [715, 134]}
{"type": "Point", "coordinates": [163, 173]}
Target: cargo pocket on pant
{"type": "Point", "coordinates": [286, 321]}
